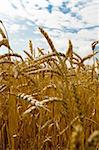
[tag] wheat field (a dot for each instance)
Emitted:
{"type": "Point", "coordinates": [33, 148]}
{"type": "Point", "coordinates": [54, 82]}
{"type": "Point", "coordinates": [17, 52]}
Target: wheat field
{"type": "Point", "coordinates": [49, 101]}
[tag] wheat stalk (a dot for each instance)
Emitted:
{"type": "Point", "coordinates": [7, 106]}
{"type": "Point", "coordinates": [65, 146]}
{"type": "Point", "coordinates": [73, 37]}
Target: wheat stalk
{"type": "Point", "coordinates": [48, 39]}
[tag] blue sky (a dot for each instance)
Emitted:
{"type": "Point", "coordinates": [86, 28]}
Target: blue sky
{"type": "Point", "coordinates": [77, 20]}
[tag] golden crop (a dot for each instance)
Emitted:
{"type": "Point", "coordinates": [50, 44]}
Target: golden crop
{"type": "Point", "coordinates": [46, 104]}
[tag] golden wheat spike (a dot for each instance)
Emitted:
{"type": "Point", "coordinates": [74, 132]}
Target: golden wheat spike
{"type": "Point", "coordinates": [93, 45]}
{"type": "Point", "coordinates": [40, 50]}
{"type": "Point", "coordinates": [97, 61]}
{"type": "Point", "coordinates": [69, 52]}
{"type": "Point", "coordinates": [2, 33]}
{"type": "Point", "coordinates": [43, 70]}
{"type": "Point", "coordinates": [43, 59]}
{"type": "Point", "coordinates": [2, 87]}
{"type": "Point", "coordinates": [77, 56]}
{"type": "Point", "coordinates": [34, 102]}
{"type": "Point", "coordinates": [5, 42]}
{"type": "Point", "coordinates": [48, 39]}
{"type": "Point", "coordinates": [31, 47]}
{"type": "Point", "coordinates": [38, 104]}
{"type": "Point", "coordinates": [29, 56]}
{"type": "Point", "coordinates": [28, 98]}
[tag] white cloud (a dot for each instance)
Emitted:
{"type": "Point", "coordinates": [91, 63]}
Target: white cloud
{"type": "Point", "coordinates": [57, 20]}
{"type": "Point", "coordinates": [4, 5]}
{"type": "Point", "coordinates": [56, 2]}
{"type": "Point", "coordinates": [40, 3]}
{"type": "Point", "coordinates": [88, 34]}
{"type": "Point", "coordinates": [90, 13]}
{"type": "Point", "coordinates": [16, 28]}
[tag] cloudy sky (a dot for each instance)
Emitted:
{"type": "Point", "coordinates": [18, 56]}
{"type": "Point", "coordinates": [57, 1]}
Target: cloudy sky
{"type": "Point", "coordinates": [77, 20]}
